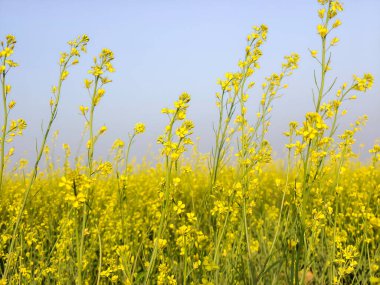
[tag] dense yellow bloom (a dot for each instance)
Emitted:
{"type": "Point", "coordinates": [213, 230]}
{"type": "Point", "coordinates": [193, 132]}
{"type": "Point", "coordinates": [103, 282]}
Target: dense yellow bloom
{"type": "Point", "coordinates": [231, 216]}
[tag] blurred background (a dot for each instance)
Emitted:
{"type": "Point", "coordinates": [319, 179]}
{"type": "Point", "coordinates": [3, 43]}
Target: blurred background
{"type": "Point", "coordinates": [163, 48]}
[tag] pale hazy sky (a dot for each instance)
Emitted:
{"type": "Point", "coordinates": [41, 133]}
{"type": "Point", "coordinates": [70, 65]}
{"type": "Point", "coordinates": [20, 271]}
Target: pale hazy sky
{"type": "Point", "coordinates": [163, 48]}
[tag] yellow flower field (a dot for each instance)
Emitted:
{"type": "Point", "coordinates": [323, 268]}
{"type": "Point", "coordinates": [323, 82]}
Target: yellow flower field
{"type": "Point", "coordinates": [231, 216]}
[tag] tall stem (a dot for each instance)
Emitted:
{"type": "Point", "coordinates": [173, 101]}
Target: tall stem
{"type": "Point", "coordinates": [91, 127]}
{"type": "Point", "coordinates": [54, 112]}
{"type": "Point", "coordinates": [4, 129]}
{"type": "Point", "coordinates": [164, 211]}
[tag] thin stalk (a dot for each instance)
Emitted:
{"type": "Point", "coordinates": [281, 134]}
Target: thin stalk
{"type": "Point", "coordinates": [127, 153]}
{"type": "Point", "coordinates": [34, 173]}
{"type": "Point", "coordinates": [4, 128]}
{"type": "Point", "coordinates": [185, 264]}
{"type": "Point", "coordinates": [79, 257]}
{"type": "Point", "coordinates": [100, 258]}
{"type": "Point", "coordinates": [91, 129]}
{"type": "Point", "coordinates": [163, 218]}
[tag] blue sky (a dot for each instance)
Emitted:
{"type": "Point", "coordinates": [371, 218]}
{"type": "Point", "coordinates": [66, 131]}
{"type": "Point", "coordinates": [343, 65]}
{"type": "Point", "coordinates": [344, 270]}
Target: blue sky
{"type": "Point", "coordinates": [163, 48]}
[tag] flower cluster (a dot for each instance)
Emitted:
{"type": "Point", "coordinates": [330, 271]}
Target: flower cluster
{"type": "Point", "coordinates": [174, 148]}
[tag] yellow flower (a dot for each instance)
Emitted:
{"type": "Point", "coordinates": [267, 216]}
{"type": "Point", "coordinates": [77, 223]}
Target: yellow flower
{"type": "Point", "coordinates": [181, 132]}
{"type": "Point", "coordinates": [337, 23]}
{"type": "Point", "coordinates": [118, 143]}
{"type": "Point", "coordinates": [179, 207]}
{"type": "Point", "coordinates": [8, 89]}
{"type": "Point", "coordinates": [362, 84]}
{"type": "Point", "coordinates": [109, 67]}
{"type": "Point", "coordinates": [176, 181]}
{"type": "Point", "coordinates": [191, 217]}
{"type": "Point", "coordinates": [185, 97]}
{"type": "Point", "coordinates": [83, 109]}
{"type": "Point", "coordinates": [96, 71]}
{"type": "Point", "coordinates": [322, 30]}
{"type": "Point", "coordinates": [321, 13]}
{"type": "Point", "coordinates": [100, 92]}
{"type": "Point", "coordinates": [334, 41]}
{"type": "Point", "coordinates": [181, 115]}
{"type": "Point", "coordinates": [65, 183]}
{"type": "Point", "coordinates": [74, 52]}
{"type": "Point", "coordinates": [7, 52]}
{"type": "Point", "coordinates": [336, 6]}
{"type": "Point", "coordinates": [11, 40]}
{"type": "Point", "coordinates": [102, 130]}
{"type": "Point", "coordinates": [11, 63]}
{"type": "Point", "coordinates": [87, 83]}
{"type": "Point", "coordinates": [139, 128]}
{"type": "Point", "coordinates": [64, 75]}
{"type": "Point", "coordinates": [11, 104]}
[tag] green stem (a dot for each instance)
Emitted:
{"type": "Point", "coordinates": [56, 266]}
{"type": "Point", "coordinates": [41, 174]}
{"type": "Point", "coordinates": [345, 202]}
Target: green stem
{"type": "Point", "coordinates": [127, 153]}
{"type": "Point", "coordinates": [34, 174]}
{"type": "Point", "coordinates": [79, 257]}
{"type": "Point", "coordinates": [163, 218]}
{"type": "Point", "coordinates": [4, 129]}
{"type": "Point", "coordinates": [91, 128]}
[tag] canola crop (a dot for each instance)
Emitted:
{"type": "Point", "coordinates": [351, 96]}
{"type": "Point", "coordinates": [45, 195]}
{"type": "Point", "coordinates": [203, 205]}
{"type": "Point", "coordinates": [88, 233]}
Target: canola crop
{"type": "Point", "coordinates": [232, 216]}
